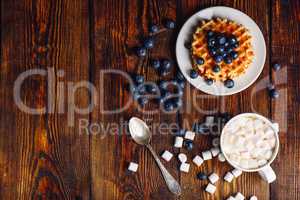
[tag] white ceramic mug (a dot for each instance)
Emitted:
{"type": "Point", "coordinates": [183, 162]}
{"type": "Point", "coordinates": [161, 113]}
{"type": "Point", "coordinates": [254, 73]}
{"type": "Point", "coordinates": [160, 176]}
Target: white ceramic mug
{"type": "Point", "coordinates": [266, 172]}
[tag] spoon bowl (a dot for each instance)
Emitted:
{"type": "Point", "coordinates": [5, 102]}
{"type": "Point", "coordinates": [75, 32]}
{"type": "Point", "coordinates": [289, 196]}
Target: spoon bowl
{"type": "Point", "coordinates": [139, 131]}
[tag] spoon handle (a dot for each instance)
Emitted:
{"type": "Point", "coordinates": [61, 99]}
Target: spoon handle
{"type": "Point", "coordinates": [172, 184]}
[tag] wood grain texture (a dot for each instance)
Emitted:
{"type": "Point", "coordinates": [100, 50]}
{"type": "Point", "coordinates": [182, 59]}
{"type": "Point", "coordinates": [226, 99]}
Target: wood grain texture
{"type": "Point", "coordinates": [42, 157]}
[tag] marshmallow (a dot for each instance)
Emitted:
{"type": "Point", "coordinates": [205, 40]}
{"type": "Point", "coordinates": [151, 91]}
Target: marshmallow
{"type": "Point", "coordinates": [230, 198]}
{"type": "Point", "coordinates": [215, 151]}
{"type": "Point", "coordinates": [182, 157]}
{"type": "Point", "coordinates": [253, 198]}
{"type": "Point", "coordinates": [178, 142]}
{"type": "Point", "coordinates": [228, 177]}
{"type": "Point", "coordinates": [133, 167]}
{"type": "Point", "coordinates": [216, 142]}
{"type": "Point", "coordinates": [239, 196]}
{"type": "Point", "coordinates": [213, 178]}
{"type": "Point", "coordinates": [210, 188]}
{"type": "Point", "coordinates": [206, 155]}
{"type": "Point", "coordinates": [184, 167]}
{"type": "Point", "coordinates": [236, 172]}
{"type": "Point", "coordinates": [198, 160]}
{"type": "Point", "coordinates": [189, 135]}
{"type": "Point", "coordinates": [167, 156]}
{"type": "Point", "coordinates": [209, 120]}
{"type": "Point", "coordinates": [221, 157]}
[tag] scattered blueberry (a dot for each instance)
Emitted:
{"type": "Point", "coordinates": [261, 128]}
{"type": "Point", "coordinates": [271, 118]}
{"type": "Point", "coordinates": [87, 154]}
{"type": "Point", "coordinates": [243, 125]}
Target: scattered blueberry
{"type": "Point", "coordinates": [201, 176]}
{"type": "Point", "coordinates": [228, 60]}
{"type": "Point", "coordinates": [163, 71]}
{"type": "Point", "coordinates": [276, 66]}
{"type": "Point", "coordinates": [201, 128]}
{"type": "Point", "coordinates": [209, 81]}
{"type": "Point", "coordinates": [218, 58]}
{"type": "Point", "coordinates": [155, 63]}
{"type": "Point", "coordinates": [193, 74]}
{"type": "Point", "coordinates": [163, 84]}
{"type": "Point", "coordinates": [216, 68]}
{"type": "Point", "coordinates": [166, 64]}
{"type": "Point", "coordinates": [199, 60]}
{"type": "Point", "coordinates": [168, 106]}
{"type": "Point", "coordinates": [170, 24]}
{"type": "Point", "coordinates": [141, 51]}
{"type": "Point", "coordinates": [149, 43]}
{"type": "Point", "coordinates": [165, 94]}
{"type": "Point", "coordinates": [274, 94]}
{"type": "Point", "coordinates": [179, 92]}
{"type": "Point", "coordinates": [177, 102]}
{"type": "Point", "coordinates": [142, 101]}
{"type": "Point", "coordinates": [181, 83]}
{"type": "Point", "coordinates": [271, 86]}
{"type": "Point", "coordinates": [229, 83]}
{"type": "Point", "coordinates": [180, 76]}
{"type": "Point", "coordinates": [151, 88]}
{"type": "Point", "coordinates": [180, 132]}
{"type": "Point", "coordinates": [136, 95]}
{"type": "Point", "coordinates": [188, 145]}
{"type": "Point", "coordinates": [160, 100]}
{"type": "Point", "coordinates": [153, 28]}
{"type": "Point", "coordinates": [234, 54]}
{"type": "Point", "coordinates": [141, 89]}
{"type": "Point", "coordinates": [138, 79]}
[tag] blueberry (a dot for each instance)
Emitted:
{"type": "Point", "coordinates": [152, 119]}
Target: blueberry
{"type": "Point", "coordinates": [138, 79]}
{"type": "Point", "coordinates": [193, 74]}
{"type": "Point", "coordinates": [168, 106]}
{"type": "Point", "coordinates": [180, 76]}
{"type": "Point", "coordinates": [199, 60]}
{"type": "Point", "coordinates": [151, 88]}
{"type": "Point", "coordinates": [221, 49]}
{"type": "Point", "coordinates": [271, 86]}
{"type": "Point", "coordinates": [155, 63]}
{"type": "Point", "coordinates": [153, 28]}
{"type": "Point", "coordinates": [234, 54]}
{"type": "Point", "coordinates": [136, 95]}
{"type": "Point", "coordinates": [213, 51]}
{"type": "Point", "coordinates": [132, 88]}
{"type": "Point", "coordinates": [226, 44]}
{"type": "Point", "coordinates": [141, 89]}
{"type": "Point", "coordinates": [170, 24]}
{"type": "Point", "coordinates": [218, 58]}
{"type": "Point", "coordinates": [229, 83]}
{"type": "Point", "coordinates": [201, 176]}
{"type": "Point", "coordinates": [166, 64]}
{"type": "Point", "coordinates": [141, 51]}
{"type": "Point", "coordinates": [179, 92]}
{"type": "Point", "coordinates": [228, 60]}
{"type": "Point", "coordinates": [177, 102]}
{"type": "Point", "coordinates": [180, 132]}
{"type": "Point", "coordinates": [181, 83]}
{"type": "Point", "coordinates": [221, 40]}
{"type": "Point", "coordinates": [236, 45]}
{"type": "Point", "coordinates": [276, 66]}
{"type": "Point", "coordinates": [209, 81]}
{"type": "Point", "coordinates": [188, 145]}
{"type": "Point", "coordinates": [210, 33]}
{"type": "Point", "coordinates": [165, 94]}
{"type": "Point", "coordinates": [160, 100]}
{"type": "Point", "coordinates": [232, 40]}
{"type": "Point", "coordinates": [149, 43]}
{"type": "Point", "coordinates": [216, 68]}
{"type": "Point", "coordinates": [211, 42]}
{"type": "Point", "coordinates": [224, 54]}
{"type": "Point", "coordinates": [228, 49]}
{"type": "Point", "coordinates": [163, 84]}
{"type": "Point", "coordinates": [143, 101]}
{"type": "Point", "coordinates": [274, 94]}
{"type": "Point", "coordinates": [163, 71]}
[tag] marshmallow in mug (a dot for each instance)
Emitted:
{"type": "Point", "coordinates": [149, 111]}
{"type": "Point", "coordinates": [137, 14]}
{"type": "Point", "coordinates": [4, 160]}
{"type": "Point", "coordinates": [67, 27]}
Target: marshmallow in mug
{"type": "Point", "coordinates": [249, 142]}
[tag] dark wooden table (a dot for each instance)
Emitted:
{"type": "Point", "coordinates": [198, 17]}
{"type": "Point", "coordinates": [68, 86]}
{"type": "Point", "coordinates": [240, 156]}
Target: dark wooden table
{"type": "Point", "coordinates": [42, 156]}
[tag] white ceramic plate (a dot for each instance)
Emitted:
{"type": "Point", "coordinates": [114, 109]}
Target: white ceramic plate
{"type": "Point", "coordinates": [258, 43]}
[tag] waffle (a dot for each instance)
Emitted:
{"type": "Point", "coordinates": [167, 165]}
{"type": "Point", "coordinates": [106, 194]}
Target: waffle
{"type": "Point", "coordinates": [199, 48]}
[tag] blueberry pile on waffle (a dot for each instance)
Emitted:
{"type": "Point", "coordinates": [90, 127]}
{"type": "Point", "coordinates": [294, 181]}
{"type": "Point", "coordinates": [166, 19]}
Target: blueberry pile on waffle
{"type": "Point", "coordinates": [221, 50]}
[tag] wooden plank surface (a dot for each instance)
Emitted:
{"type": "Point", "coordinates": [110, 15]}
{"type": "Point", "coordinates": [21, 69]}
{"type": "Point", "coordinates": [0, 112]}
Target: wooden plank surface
{"type": "Point", "coordinates": [42, 156]}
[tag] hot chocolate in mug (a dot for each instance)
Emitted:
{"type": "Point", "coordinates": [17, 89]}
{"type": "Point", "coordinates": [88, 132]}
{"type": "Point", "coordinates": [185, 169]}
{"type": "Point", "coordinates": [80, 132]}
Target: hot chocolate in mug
{"type": "Point", "coordinates": [248, 144]}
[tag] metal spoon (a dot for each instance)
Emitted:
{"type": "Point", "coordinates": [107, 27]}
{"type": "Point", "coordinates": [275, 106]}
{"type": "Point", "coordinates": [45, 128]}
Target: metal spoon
{"type": "Point", "coordinates": [141, 134]}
